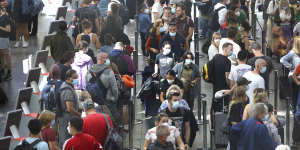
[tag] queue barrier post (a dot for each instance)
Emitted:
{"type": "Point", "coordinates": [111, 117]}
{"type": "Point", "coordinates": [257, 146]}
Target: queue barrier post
{"type": "Point", "coordinates": [287, 116]}
{"type": "Point", "coordinates": [276, 90]}
{"type": "Point", "coordinates": [204, 105]}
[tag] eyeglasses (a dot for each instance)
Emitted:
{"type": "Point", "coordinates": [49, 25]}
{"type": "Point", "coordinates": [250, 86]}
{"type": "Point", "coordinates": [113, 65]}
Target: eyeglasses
{"type": "Point", "coordinates": [175, 93]}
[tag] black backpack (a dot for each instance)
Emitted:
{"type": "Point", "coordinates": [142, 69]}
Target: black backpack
{"type": "Point", "coordinates": [213, 22]}
{"type": "Point", "coordinates": [121, 63]}
{"type": "Point", "coordinates": [96, 88]}
{"type": "Point", "coordinates": [26, 146]}
{"type": "Point", "coordinates": [113, 139]}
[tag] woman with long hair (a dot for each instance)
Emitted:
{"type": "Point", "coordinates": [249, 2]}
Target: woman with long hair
{"type": "Point", "coordinates": [155, 35]}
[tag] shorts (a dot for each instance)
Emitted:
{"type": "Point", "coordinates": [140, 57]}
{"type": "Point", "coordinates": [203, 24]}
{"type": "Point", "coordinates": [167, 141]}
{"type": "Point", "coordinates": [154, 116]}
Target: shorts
{"type": "Point", "coordinates": [4, 43]}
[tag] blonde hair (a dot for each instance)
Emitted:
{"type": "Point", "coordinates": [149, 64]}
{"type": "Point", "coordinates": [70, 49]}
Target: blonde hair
{"type": "Point", "coordinates": [155, 25]}
{"type": "Point", "coordinates": [46, 117]}
{"type": "Point", "coordinates": [85, 95]}
{"type": "Point", "coordinates": [173, 88]}
{"type": "Point", "coordinates": [214, 35]}
{"type": "Point", "coordinates": [239, 96]}
{"type": "Point", "coordinates": [296, 45]}
{"type": "Point", "coordinates": [260, 95]}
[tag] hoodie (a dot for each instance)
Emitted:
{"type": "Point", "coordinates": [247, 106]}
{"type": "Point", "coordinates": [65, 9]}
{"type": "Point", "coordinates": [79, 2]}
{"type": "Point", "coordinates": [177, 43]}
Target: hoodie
{"type": "Point", "coordinates": [108, 79]}
{"type": "Point", "coordinates": [82, 63]}
{"type": "Point", "coordinates": [252, 134]}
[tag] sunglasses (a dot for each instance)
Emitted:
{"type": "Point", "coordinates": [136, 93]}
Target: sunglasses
{"type": "Point", "coordinates": [175, 93]}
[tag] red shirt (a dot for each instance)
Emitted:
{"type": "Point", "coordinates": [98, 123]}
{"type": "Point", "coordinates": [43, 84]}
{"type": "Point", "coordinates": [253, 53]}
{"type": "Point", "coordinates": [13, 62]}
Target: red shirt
{"type": "Point", "coordinates": [95, 125]}
{"type": "Point", "coordinates": [297, 70]}
{"type": "Point", "coordinates": [48, 135]}
{"type": "Point", "coordinates": [82, 141]}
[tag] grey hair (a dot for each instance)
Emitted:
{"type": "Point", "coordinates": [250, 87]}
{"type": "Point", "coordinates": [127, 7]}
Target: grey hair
{"type": "Point", "coordinates": [283, 147]}
{"type": "Point", "coordinates": [255, 46]}
{"type": "Point", "coordinates": [161, 130]}
{"type": "Point", "coordinates": [257, 109]}
{"type": "Point", "coordinates": [172, 88]}
{"type": "Point", "coordinates": [259, 61]}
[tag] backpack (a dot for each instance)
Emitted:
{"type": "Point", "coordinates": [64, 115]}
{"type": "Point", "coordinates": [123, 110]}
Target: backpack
{"type": "Point", "coordinates": [120, 62]}
{"type": "Point", "coordinates": [26, 146]}
{"type": "Point", "coordinates": [124, 91]}
{"type": "Point", "coordinates": [50, 101]}
{"type": "Point", "coordinates": [213, 22]}
{"type": "Point", "coordinates": [205, 7]}
{"type": "Point", "coordinates": [96, 88]}
{"type": "Point", "coordinates": [36, 7]}
{"type": "Point", "coordinates": [207, 71]}
{"type": "Point", "coordinates": [113, 140]}
{"type": "Point", "coordinates": [124, 14]}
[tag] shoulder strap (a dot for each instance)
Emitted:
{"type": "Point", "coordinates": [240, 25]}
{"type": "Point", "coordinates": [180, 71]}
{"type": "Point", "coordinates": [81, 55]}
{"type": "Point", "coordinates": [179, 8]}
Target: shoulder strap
{"type": "Point", "coordinates": [107, 124]}
{"type": "Point", "coordinates": [100, 82]}
{"type": "Point", "coordinates": [220, 8]}
{"type": "Point", "coordinates": [35, 142]}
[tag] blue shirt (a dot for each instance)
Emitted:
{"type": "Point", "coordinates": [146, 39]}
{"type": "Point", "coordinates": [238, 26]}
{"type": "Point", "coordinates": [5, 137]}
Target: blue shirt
{"type": "Point", "coordinates": [40, 146]}
{"type": "Point", "coordinates": [144, 22]}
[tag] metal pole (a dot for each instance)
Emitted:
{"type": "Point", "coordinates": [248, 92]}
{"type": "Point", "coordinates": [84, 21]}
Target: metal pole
{"type": "Point", "coordinates": [196, 39]}
{"type": "Point", "coordinates": [287, 115]}
{"type": "Point", "coordinates": [204, 125]}
{"type": "Point", "coordinates": [276, 90]}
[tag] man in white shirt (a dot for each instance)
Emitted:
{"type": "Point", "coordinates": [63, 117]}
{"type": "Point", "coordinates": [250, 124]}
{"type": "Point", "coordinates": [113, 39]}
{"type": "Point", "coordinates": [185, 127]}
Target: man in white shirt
{"type": "Point", "coordinates": [256, 80]}
{"type": "Point", "coordinates": [239, 70]}
{"type": "Point", "coordinates": [157, 11]}
{"type": "Point", "coordinates": [221, 13]}
{"type": "Point", "coordinates": [231, 33]}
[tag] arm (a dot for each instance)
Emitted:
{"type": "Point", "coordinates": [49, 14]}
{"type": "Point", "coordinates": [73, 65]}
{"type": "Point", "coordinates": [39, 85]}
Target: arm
{"type": "Point", "coordinates": [179, 142]}
{"type": "Point", "coordinates": [245, 113]}
{"type": "Point", "coordinates": [6, 28]}
{"type": "Point", "coordinates": [156, 68]}
{"type": "Point", "coordinates": [285, 60]}
{"type": "Point", "coordinates": [147, 142]}
{"type": "Point", "coordinates": [71, 109]}
{"type": "Point", "coordinates": [161, 96]}
{"type": "Point", "coordinates": [77, 40]}
{"type": "Point", "coordinates": [96, 41]}
{"type": "Point", "coordinates": [187, 132]}
{"type": "Point", "coordinates": [53, 145]}
{"type": "Point", "coordinates": [188, 38]}
{"type": "Point", "coordinates": [227, 80]}
{"type": "Point", "coordinates": [97, 23]}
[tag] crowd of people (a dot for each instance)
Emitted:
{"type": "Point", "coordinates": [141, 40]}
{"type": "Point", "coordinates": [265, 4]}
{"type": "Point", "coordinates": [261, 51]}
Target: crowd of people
{"type": "Point", "coordinates": [89, 86]}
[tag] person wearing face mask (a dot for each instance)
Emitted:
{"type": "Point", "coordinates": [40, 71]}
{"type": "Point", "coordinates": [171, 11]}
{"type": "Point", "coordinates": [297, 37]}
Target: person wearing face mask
{"type": "Point", "coordinates": [242, 38]}
{"type": "Point", "coordinates": [174, 137]}
{"type": "Point", "coordinates": [68, 106]}
{"type": "Point", "coordinates": [162, 133]}
{"type": "Point", "coordinates": [47, 119]}
{"type": "Point", "coordinates": [189, 74]}
{"type": "Point", "coordinates": [177, 42]}
{"type": "Point", "coordinates": [156, 11]}
{"type": "Point", "coordinates": [272, 128]}
{"type": "Point", "coordinates": [144, 23]}
{"type": "Point", "coordinates": [184, 24]}
{"type": "Point", "coordinates": [80, 140]}
{"type": "Point", "coordinates": [254, 76]}
{"type": "Point", "coordinates": [231, 34]}
{"type": "Point", "coordinates": [164, 61]}
{"type": "Point", "coordinates": [180, 115]}
{"type": "Point", "coordinates": [221, 66]}
{"type": "Point", "coordinates": [252, 134]}
{"type": "Point", "coordinates": [214, 46]}
{"type": "Point", "coordinates": [82, 63]}
{"type": "Point", "coordinates": [170, 80]}
{"type": "Point", "coordinates": [154, 37]}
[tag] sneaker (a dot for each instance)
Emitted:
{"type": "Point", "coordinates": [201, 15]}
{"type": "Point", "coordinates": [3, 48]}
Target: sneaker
{"type": "Point", "coordinates": [17, 44]}
{"type": "Point", "coordinates": [25, 44]}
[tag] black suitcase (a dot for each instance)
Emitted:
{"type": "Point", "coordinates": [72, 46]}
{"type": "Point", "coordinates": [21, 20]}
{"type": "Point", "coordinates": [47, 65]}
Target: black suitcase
{"type": "Point", "coordinates": [220, 139]}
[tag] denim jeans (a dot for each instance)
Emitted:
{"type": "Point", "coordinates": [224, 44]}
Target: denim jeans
{"type": "Point", "coordinates": [204, 24]}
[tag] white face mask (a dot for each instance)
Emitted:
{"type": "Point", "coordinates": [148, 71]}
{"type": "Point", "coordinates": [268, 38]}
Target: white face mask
{"type": "Point", "coordinates": [165, 124]}
{"type": "Point", "coordinates": [69, 130]}
{"type": "Point", "coordinates": [166, 51]}
{"type": "Point", "coordinates": [188, 61]}
{"type": "Point", "coordinates": [170, 81]}
{"type": "Point", "coordinates": [217, 41]}
{"type": "Point", "coordinates": [238, 13]}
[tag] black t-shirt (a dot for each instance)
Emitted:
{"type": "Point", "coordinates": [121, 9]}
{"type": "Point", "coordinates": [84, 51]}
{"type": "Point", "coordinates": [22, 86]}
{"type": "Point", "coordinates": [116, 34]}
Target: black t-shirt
{"type": "Point", "coordinates": [4, 21]}
{"type": "Point", "coordinates": [236, 112]}
{"type": "Point", "coordinates": [165, 85]}
{"type": "Point", "coordinates": [63, 70]}
{"type": "Point", "coordinates": [89, 14]}
{"type": "Point", "coordinates": [221, 65]}
{"type": "Point", "coordinates": [179, 118]}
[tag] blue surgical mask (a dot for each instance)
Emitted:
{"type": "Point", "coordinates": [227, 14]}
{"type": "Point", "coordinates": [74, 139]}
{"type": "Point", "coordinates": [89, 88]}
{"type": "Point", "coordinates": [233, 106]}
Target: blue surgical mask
{"type": "Point", "coordinates": [107, 62]}
{"type": "Point", "coordinates": [188, 61]}
{"type": "Point", "coordinates": [75, 81]}
{"type": "Point", "coordinates": [162, 29]}
{"type": "Point", "coordinates": [172, 34]}
{"type": "Point", "coordinates": [173, 10]}
{"type": "Point", "coordinates": [52, 123]}
{"type": "Point", "coordinates": [285, 8]}
{"type": "Point", "coordinates": [175, 105]}
{"type": "Point", "coordinates": [266, 117]}
{"type": "Point", "coordinates": [247, 88]}
{"type": "Point", "coordinates": [230, 53]}
{"type": "Point", "coordinates": [263, 69]}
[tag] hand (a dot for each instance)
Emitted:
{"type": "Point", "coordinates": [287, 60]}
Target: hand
{"type": "Point", "coordinates": [187, 45]}
{"type": "Point", "coordinates": [186, 147]}
{"type": "Point", "coordinates": [154, 75]}
{"type": "Point", "coordinates": [227, 92]}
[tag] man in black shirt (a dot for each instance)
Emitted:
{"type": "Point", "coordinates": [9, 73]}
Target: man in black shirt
{"type": "Point", "coordinates": [166, 83]}
{"type": "Point", "coordinates": [257, 51]}
{"type": "Point", "coordinates": [221, 69]}
{"type": "Point", "coordinates": [65, 64]}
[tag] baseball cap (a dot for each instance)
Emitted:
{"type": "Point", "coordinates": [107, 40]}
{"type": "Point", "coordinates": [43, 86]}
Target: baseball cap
{"type": "Point", "coordinates": [243, 81]}
{"type": "Point", "coordinates": [88, 105]}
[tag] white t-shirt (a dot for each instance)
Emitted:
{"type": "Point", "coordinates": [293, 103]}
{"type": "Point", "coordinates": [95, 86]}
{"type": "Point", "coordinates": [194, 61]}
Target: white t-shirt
{"type": "Point", "coordinates": [256, 82]}
{"type": "Point", "coordinates": [174, 132]}
{"type": "Point", "coordinates": [109, 4]}
{"type": "Point", "coordinates": [156, 8]}
{"type": "Point", "coordinates": [236, 49]}
{"type": "Point", "coordinates": [221, 13]}
{"type": "Point", "coordinates": [238, 71]}
{"type": "Point", "coordinates": [212, 51]}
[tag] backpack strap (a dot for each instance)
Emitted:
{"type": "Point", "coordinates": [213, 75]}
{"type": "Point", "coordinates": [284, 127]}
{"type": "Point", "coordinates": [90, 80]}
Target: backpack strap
{"type": "Point", "coordinates": [106, 121]}
{"type": "Point", "coordinates": [99, 82]}
{"type": "Point", "coordinates": [220, 8]}
{"type": "Point", "coordinates": [35, 142]}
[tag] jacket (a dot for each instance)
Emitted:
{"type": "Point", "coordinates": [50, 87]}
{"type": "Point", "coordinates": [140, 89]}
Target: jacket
{"type": "Point", "coordinates": [131, 66]}
{"type": "Point", "coordinates": [252, 137]}
{"type": "Point", "coordinates": [26, 5]}
{"type": "Point", "coordinates": [291, 60]}
{"type": "Point", "coordinates": [59, 45]}
{"type": "Point", "coordinates": [108, 79]}
{"type": "Point", "coordinates": [178, 68]}
{"type": "Point", "coordinates": [82, 63]}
